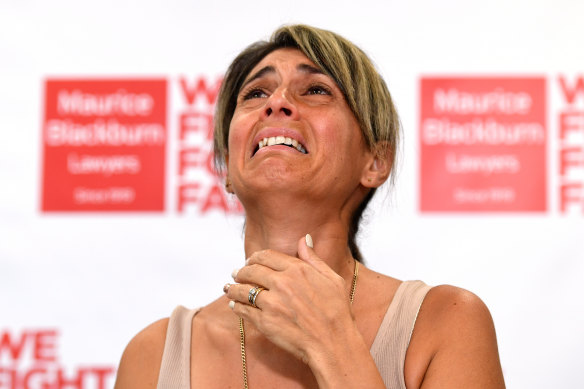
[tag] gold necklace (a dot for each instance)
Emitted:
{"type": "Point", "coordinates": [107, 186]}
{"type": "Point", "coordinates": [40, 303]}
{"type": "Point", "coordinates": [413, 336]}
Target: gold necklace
{"type": "Point", "coordinates": [242, 332]}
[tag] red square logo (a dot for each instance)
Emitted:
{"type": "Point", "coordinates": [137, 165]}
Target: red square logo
{"type": "Point", "coordinates": [483, 144]}
{"type": "Point", "coordinates": [104, 145]}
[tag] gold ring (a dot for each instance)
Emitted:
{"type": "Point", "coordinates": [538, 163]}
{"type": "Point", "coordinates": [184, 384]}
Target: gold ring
{"type": "Point", "coordinates": [251, 293]}
{"type": "Point", "coordinates": [257, 292]}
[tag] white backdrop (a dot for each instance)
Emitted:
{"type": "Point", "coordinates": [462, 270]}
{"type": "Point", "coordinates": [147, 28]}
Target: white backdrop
{"type": "Point", "coordinates": [98, 278]}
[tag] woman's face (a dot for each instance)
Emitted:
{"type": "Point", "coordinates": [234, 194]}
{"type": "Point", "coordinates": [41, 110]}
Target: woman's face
{"type": "Point", "coordinates": [293, 131]}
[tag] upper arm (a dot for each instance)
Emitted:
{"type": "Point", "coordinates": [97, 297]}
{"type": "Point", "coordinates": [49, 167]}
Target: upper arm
{"type": "Point", "coordinates": [142, 358]}
{"type": "Point", "coordinates": [459, 329]}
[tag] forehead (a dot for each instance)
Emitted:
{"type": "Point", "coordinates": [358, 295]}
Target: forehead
{"type": "Point", "coordinates": [283, 59]}
{"type": "Point", "coordinates": [285, 54]}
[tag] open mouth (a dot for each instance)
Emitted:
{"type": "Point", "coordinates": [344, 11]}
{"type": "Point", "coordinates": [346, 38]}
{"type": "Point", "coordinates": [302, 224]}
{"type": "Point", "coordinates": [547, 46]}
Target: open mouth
{"type": "Point", "coordinates": [280, 140]}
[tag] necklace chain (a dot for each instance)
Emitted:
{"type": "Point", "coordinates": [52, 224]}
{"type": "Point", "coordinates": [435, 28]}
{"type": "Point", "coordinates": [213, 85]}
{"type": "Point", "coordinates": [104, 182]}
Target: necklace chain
{"type": "Point", "coordinates": [242, 342]}
{"type": "Point", "coordinates": [242, 331]}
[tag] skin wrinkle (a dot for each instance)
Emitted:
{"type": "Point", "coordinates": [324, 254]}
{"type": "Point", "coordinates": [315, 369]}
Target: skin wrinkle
{"type": "Point", "coordinates": [349, 66]}
{"type": "Point", "coordinates": [277, 174]}
{"type": "Point", "coordinates": [303, 68]}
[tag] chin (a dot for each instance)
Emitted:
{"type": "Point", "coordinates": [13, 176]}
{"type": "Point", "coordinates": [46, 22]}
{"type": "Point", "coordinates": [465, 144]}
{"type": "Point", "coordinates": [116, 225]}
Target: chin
{"type": "Point", "coordinates": [270, 183]}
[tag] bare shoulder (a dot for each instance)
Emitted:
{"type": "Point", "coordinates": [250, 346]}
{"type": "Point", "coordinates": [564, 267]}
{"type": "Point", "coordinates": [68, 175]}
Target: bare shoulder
{"type": "Point", "coordinates": [455, 306]}
{"type": "Point", "coordinates": [142, 358]}
{"type": "Point", "coordinates": [454, 344]}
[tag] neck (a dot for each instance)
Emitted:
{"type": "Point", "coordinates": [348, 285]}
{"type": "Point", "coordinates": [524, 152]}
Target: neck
{"type": "Point", "coordinates": [280, 231]}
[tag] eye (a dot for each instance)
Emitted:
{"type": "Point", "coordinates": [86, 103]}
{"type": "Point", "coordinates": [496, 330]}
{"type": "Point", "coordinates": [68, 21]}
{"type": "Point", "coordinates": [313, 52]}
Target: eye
{"type": "Point", "coordinates": [318, 90]}
{"type": "Point", "coordinates": [254, 93]}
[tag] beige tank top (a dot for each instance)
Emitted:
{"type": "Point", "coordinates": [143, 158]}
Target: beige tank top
{"type": "Point", "coordinates": [388, 349]}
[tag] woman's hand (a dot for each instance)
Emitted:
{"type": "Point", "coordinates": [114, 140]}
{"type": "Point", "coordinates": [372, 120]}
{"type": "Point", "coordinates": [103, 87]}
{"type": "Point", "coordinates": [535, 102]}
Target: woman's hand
{"type": "Point", "coordinates": [305, 310]}
{"type": "Point", "coordinates": [304, 307]}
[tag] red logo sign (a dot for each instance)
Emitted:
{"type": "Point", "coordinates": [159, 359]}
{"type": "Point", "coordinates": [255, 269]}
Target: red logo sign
{"type": "Point", "coordinates": [29, 359]}
{"type": "Point", "coordinates": [483, 145]}
{"type": "Point", "coordinates": [199, 189]}
{"type": "Point", "coordinates": [571, 144]}
{"type": "Point", "coordinates": [104, 145]}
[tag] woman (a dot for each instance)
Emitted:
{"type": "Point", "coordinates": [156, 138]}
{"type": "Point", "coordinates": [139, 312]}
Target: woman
{"type": "Point", "coordinates": [306, 131]}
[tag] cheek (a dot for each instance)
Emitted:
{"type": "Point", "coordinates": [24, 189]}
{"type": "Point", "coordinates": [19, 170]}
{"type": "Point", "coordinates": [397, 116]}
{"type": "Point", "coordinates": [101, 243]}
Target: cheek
{"type": "Point", "coordinates": [341, 134]}
{"type": "Point", "coordinates": [237, 136]}
{"type": "Point", "coordinates": [330, 127]}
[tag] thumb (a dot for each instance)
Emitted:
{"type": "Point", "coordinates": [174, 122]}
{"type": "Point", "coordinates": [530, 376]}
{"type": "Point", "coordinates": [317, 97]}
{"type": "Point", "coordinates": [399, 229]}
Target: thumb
{"type": "Point", "coordinates": [306, 251]}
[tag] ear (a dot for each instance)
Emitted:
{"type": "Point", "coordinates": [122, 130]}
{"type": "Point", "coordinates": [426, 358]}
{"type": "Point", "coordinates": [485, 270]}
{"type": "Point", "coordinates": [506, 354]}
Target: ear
{"type": "Point", "coordinates": [228, 187]}
{"type": "Point", "coordinates": [378, 166]}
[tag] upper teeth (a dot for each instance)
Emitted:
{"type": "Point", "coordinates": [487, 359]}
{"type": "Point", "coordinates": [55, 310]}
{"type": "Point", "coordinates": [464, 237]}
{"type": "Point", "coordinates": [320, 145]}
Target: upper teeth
{"type": "Point", "coordinates": [281, 140]}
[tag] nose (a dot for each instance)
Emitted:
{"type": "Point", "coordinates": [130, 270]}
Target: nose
{"type": "Point", "coordinates": [280, 105]}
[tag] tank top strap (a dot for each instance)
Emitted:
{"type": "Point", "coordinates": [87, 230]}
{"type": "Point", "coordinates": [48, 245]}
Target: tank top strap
{"type": "Point", "coordinates": [393, 338]}
{"type": "Point", "coordinates": [175, 370]}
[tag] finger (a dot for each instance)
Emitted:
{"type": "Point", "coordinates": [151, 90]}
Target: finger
{"type": "Point", "coordinates": [307, 253]}
{"type": "Point", "coordinates": [282, 335]}
{"type": "Point", "coordinates": [261, 269]}
{"type": "Point", "coordinates": [247, 312]}
{"type": "Point", "coordinates": [273, 259]}
{"type": "Point", "coordinates": [241, 293]}
{"type": "Point", "coordinates": [256, 274]}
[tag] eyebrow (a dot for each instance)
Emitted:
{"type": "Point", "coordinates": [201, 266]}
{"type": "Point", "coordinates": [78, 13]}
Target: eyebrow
{"type": "Point", "coordinates": [303, 68]}
{"type": "Point", "coordinates": [306, 68]}
{"type": "Point", "coordinates": [260, 73]}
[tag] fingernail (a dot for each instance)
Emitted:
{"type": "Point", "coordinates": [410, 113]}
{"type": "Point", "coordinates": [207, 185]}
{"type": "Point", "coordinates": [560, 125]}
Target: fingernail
{"type": "Point", "coordinates": [234, 273]}
{"type": "Point", "coordinates": [226, 288]}
{"type": "Point", "coordinates": [247, 261]}
{"type": "Point", "coordinates": [231, 304]}
{"type": "Point", "coordinates": [309, 241]}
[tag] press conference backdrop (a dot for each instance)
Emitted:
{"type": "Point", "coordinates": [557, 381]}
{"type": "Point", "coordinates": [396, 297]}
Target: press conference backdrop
{"type": "Point", "coordinates": [110, 214]}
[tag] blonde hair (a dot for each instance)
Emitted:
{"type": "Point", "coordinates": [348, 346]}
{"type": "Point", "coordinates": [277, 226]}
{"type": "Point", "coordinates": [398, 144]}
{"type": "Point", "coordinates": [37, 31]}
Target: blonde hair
{"type": "Point", "coordinates": [363, 87]}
